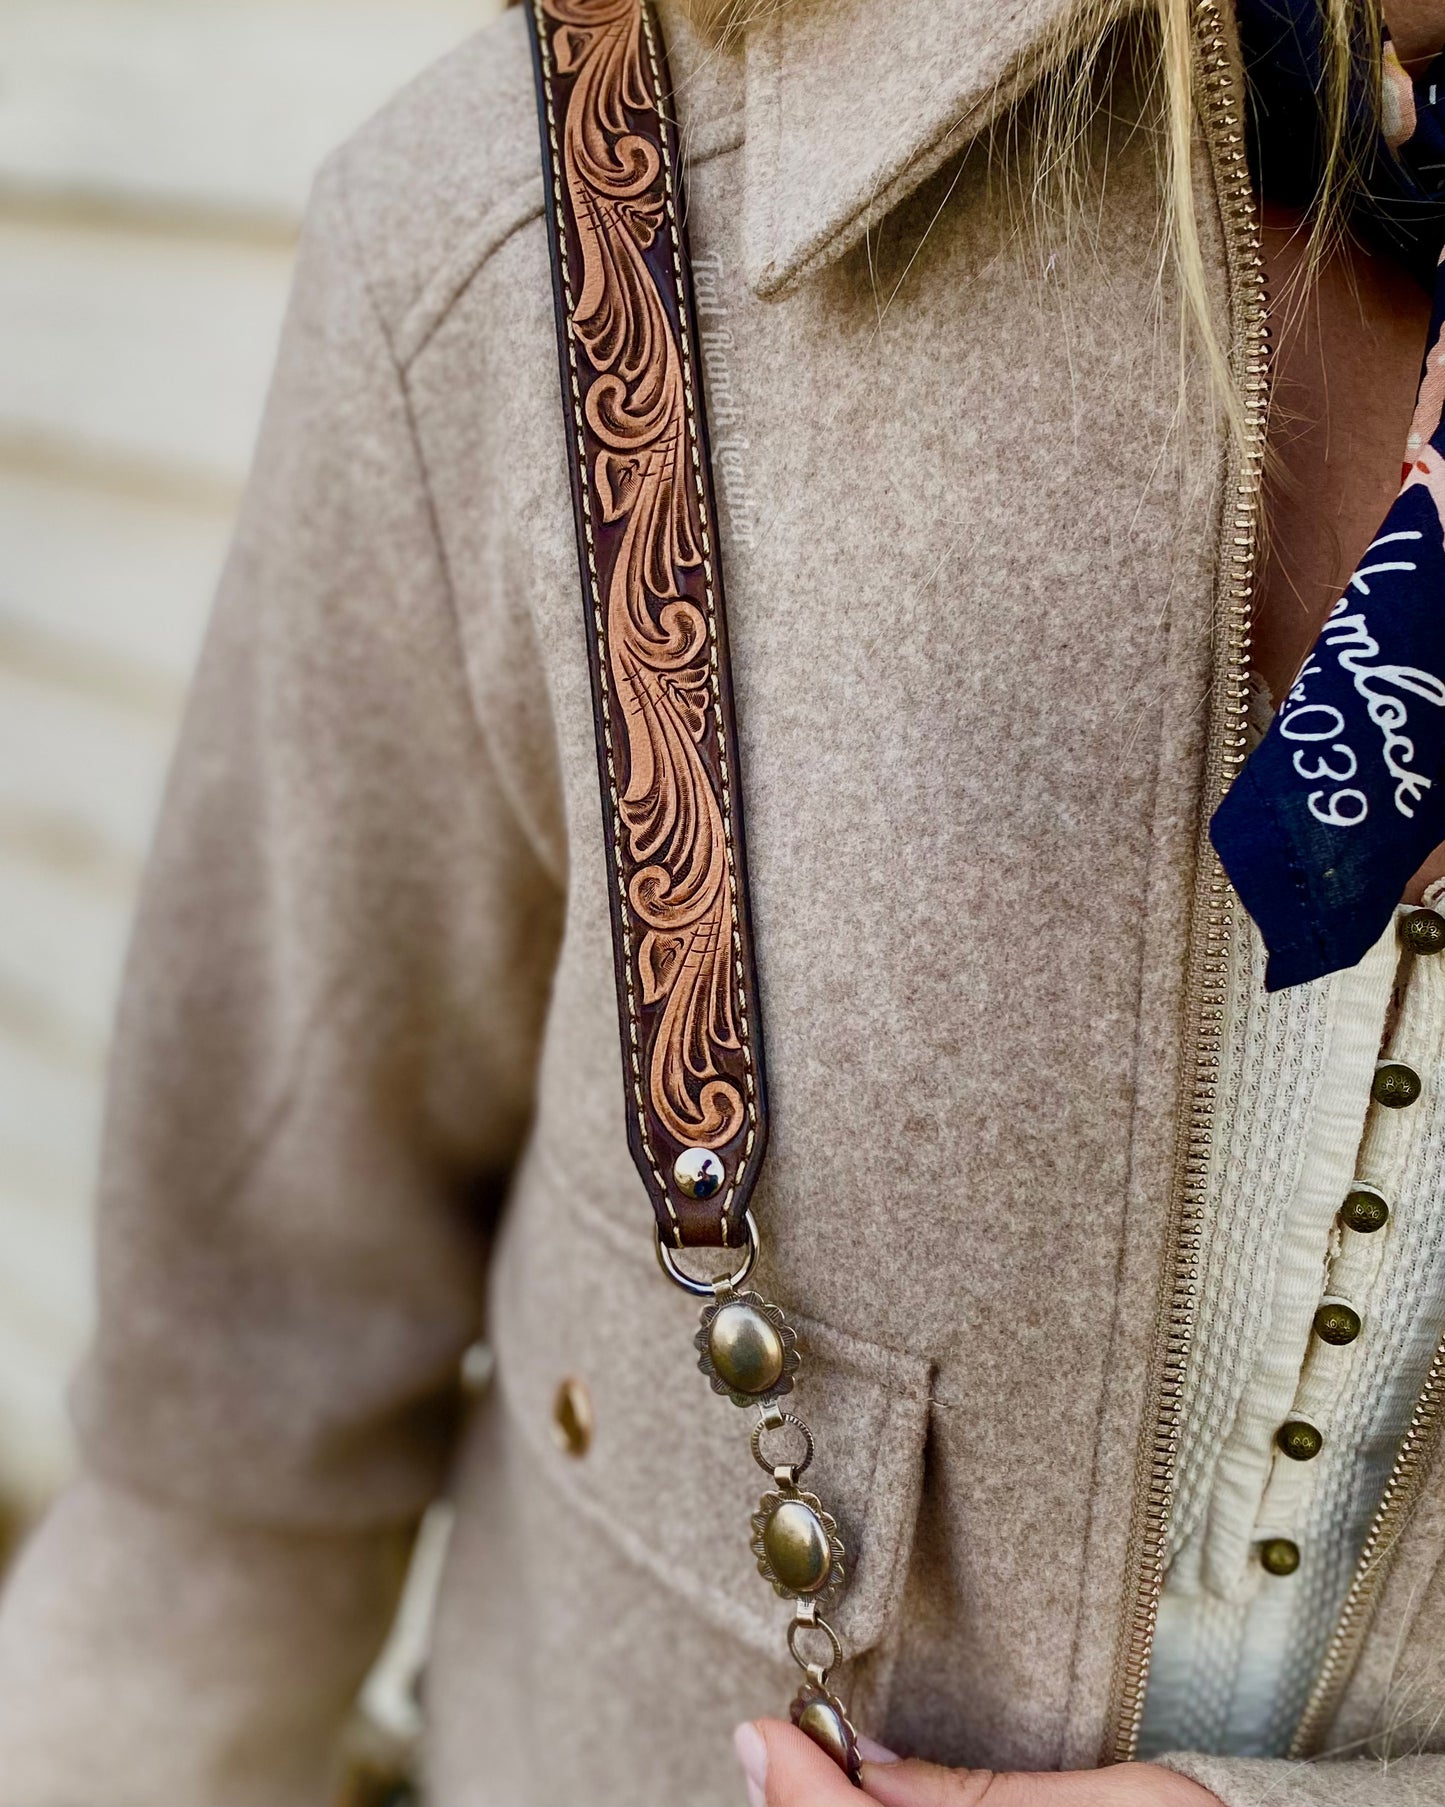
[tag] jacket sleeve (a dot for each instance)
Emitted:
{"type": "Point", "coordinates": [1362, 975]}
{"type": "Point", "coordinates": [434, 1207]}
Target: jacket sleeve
{"type": "Point", "coordinates": [322, 1073]}
{"type": "Point", "coordinates": [1346, 1782]}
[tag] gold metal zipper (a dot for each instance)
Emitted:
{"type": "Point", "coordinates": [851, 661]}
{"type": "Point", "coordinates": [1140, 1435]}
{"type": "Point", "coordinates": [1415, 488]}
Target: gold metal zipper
{"type": "Point", "coordinates": [1353, 1622]}
{"type": "Point", "coordinates": [1221, 107]}
{"type": "Point", "coordinates": [1212, 926]}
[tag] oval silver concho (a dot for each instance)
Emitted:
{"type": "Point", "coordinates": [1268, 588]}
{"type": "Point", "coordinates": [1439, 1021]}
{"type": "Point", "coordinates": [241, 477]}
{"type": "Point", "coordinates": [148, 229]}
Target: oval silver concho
{"type": "Point", "coordinates": [747, 1348]}
{"type": "Point", "coordinates": [797, 1545]}
{"type": "Point", "coordinates": [822, 1717]}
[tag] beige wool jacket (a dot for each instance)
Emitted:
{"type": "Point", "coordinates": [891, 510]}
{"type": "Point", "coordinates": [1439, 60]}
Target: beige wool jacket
{"type": "Point", "coordinates": [367, 1098]}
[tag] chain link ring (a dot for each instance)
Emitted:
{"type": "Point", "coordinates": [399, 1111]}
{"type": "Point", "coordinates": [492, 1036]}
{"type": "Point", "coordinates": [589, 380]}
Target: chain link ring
{"type": "Point", "coordinates": [809, 1620]}
{"type": "Point", "coordinates": [785, 1473]}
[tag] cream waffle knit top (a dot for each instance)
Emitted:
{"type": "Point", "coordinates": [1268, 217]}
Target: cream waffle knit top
{"type": "Point", "coordinates": [1238, 1647]}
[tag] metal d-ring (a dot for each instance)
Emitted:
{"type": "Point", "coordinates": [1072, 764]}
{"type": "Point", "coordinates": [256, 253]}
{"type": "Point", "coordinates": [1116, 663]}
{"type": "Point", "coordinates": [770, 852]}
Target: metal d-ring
{"type": "Point", "coordinates": [709, 1289]}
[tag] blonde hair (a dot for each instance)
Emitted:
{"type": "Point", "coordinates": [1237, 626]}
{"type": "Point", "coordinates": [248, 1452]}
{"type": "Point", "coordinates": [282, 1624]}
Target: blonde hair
{"type": "Point", "coordinates": [1350, 29]}
{"type": "Point", "coordinates": [1349, 42]}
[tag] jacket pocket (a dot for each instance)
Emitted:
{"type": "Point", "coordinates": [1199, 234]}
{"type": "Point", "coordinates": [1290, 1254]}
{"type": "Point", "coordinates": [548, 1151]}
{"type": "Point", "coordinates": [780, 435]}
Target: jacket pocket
{"type": "Point", "coordinates": [667, 1475]}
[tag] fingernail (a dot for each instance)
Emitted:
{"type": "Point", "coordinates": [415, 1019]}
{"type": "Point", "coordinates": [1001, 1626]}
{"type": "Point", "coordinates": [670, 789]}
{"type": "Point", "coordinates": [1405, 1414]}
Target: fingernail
{"type": "Point", "coordinates": [871, 1751]}
{"type": "Point", "coordinates": [753, 1755]}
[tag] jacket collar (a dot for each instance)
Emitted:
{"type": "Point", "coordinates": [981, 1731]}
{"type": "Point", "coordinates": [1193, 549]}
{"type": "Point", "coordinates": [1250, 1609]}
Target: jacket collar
{"type": "Point", "coordinates": [851, 104]}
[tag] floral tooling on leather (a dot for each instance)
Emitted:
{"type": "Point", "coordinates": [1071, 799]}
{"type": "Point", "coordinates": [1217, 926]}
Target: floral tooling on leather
{"type": "Point", "coordinates": [657, 633]}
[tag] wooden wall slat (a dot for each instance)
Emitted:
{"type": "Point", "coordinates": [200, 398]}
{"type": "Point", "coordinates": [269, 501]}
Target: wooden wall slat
{"type": "Point", "coordinates": [222, 108]}
{"type": "Point", "coordinates": [152, 353]}
{"type": "Point", "coordinates": [61, 951]}
{"type": "Point", "coordinates": [87, 772]}
{"type": "Point", "coordinates": [49, 1126]}
{"type": "Point", "coordinates": [38, 1285]}
{"type": "Point", "coordinates": [154, 161]}
{"type": "Point", "coordinates": [109, 588]}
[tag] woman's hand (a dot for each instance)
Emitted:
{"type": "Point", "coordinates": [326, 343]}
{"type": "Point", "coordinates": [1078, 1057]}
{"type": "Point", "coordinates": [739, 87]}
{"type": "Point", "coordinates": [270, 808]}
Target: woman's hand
{"type": "Point", "coordinates": [786, 1769]}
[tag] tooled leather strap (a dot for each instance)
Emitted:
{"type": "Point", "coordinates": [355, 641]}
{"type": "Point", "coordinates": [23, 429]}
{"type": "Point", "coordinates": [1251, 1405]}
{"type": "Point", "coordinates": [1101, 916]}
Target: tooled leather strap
{"type": "Point", "coordinates": [653, 603]}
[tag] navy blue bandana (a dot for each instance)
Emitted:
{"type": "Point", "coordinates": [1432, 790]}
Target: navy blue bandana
{"type": "Point", "coordinates": [1345, 796]}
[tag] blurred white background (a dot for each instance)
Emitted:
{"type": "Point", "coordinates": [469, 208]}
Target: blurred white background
{"type": "Point", "coordinates": [154, 161]}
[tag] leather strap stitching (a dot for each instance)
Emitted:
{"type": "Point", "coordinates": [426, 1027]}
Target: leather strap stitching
{"type": "Point", "coordinates": [700, 490]}
{"type": "Point", "coordinates": [614, 801]}
{"type": "Point", "coordinates": [578, 17]}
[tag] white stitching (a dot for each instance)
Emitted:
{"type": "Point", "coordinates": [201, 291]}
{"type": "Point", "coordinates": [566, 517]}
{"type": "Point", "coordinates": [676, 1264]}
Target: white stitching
{"type": "Point", "coordinates": [599, 622]}
{"type": "Point", "coordinates": [700, 492]}
{"type": "Point", "coordinates": [600, 629]}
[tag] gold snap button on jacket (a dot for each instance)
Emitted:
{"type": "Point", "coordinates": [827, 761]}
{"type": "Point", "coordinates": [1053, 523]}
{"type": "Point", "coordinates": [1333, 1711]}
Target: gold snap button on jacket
{"type": "Point", "coordinates": [1364, 1211]}
{"type": "Point", "coordinates": [572, 1417]}
{"type": "Point", "coordinates": [1279, 1555]}
{"type": "Point", "coordinates": [1423, 931]}
{"type": "Point", "coordinates": [1337, 1323]}
{"type": "Point", "coordinates": [1299, 1440]}
{"type": "Point", "coordinates": [1395, 1085]}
